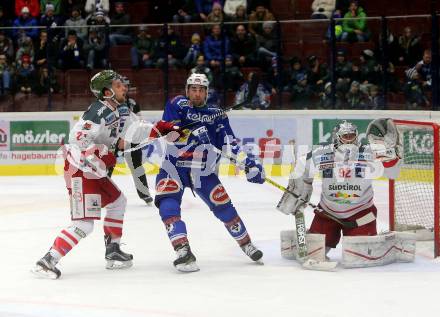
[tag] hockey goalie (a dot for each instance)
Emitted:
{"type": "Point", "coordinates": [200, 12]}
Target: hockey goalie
{"type": "Point", "coordinates": [347, 169]}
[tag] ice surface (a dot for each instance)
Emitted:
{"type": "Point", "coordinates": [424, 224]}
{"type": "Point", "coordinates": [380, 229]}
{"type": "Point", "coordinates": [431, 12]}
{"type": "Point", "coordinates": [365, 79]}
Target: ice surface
{"type": "Point", "coordinates": [34, 209]}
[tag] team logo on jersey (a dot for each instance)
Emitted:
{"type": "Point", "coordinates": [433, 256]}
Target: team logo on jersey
{"type": "Point", "coordinates": [87, 126]}
{"type": "Point", "coordinates": [219, 196]}
{"type": "Point", "coordinates": [344, 187]}
{"type": "Point", "coordinates": [235, 228]}
{"type": "Point", "coordinates": [111, 118]}
{"type": "Point", "coordinates": [169, 227]}
{"type": "Point", "coordinates": [167, 186]}
{"type": "Point", "coordinates": [344, 195]}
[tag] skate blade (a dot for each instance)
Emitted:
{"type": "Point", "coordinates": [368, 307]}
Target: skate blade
{"type": "Point", "coordinates": [188, 267]}
{"type": "Point", "coordinates": [315, 265]}
{"type": "Point", "coordinates": [42, 273]}
{"type": "Point", "coordinates": [118, 265]}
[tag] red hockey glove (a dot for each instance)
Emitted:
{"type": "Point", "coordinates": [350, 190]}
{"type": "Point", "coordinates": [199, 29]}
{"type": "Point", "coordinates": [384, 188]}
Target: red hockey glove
{"type": "Point", "coordinates": [162, 128]}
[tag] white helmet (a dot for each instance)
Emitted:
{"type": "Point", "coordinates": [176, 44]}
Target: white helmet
{"type": "Point", "coordinates": [345, 133]}
{"type": "Point", "coordinates": [197, 79]}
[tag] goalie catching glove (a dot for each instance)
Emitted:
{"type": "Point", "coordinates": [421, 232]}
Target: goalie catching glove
{"type": "Point", "coordinates": [290, 204]}
{"type": "Point", "coordinates": [384, 140]}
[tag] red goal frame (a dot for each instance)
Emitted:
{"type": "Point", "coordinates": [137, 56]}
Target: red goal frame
{"type": "Point", "coordinates": [436, 172]}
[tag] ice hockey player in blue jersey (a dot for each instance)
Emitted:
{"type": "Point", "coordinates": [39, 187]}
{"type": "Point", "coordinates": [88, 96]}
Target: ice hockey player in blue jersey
{"type": "Point", "coordinates": [192, 162]}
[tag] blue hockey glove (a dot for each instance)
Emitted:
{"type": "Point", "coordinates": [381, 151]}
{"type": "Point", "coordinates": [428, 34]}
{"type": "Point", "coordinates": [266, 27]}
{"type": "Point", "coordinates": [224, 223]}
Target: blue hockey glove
{"type": "Point", "coordinates": [254, 171]}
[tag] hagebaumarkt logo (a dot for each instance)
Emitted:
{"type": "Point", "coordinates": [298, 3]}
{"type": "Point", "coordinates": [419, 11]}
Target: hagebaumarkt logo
{"type": "Point", "coordinates": [4, 136]}
{"type": "Point", "coordinates": [38, 135]}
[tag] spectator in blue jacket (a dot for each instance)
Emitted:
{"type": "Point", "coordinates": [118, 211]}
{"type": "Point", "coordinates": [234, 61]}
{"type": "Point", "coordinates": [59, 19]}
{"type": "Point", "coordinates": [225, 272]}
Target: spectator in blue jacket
{"type": "Point", "coordinates": [25, 20]}
{"type": "Point", "coordinates": [212, 47]}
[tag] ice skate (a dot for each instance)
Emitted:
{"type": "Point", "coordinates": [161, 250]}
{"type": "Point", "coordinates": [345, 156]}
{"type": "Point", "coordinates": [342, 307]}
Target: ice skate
{"type": "Point", "coordinates": [46, 268]}
{"type": "Point", "coordinates": [251, 251]}
{"type": "Point", "coordinates": [146, 197]}
{"type": "Point", "coordinates": [186, 261]}
{"type": "Point", "coordinates": [116, 259]}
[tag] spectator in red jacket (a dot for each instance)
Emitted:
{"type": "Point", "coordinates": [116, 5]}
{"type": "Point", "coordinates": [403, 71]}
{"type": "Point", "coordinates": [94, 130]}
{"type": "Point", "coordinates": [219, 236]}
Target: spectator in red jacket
{"type": "Point", "coordinates": [32, 5]}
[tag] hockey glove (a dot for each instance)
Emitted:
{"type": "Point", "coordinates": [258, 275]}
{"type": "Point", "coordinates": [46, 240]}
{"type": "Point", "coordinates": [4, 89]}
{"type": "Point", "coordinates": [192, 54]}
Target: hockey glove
{"type": "Point", "coordinates": [162, 128]}
{"type": "Point", "coordinates": [384, 140]}
{"type": "Point", "coordinates": [99, 153]}
{"type": "Point", "coordinates": [254, 171]}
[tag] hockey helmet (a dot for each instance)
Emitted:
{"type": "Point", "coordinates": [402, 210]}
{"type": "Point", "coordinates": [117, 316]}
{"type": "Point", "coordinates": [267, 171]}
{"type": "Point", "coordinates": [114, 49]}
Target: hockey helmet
{"type": "Point", "coordinates": [345, 133]}
{"type": "Point", "coordinates": [197, 79]}
{"type": "Point", "coordinates": [103, 80]}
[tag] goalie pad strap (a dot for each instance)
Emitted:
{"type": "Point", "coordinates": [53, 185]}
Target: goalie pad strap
{"type": "Point", "coordinates": [370, 217]}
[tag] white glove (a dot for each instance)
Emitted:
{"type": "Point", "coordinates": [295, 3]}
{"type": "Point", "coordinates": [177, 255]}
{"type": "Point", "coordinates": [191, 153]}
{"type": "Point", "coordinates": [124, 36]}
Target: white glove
{"type": "Point", "coordinates": [384, 139]}
{"type": "Point", "coordinates": [289, 204]}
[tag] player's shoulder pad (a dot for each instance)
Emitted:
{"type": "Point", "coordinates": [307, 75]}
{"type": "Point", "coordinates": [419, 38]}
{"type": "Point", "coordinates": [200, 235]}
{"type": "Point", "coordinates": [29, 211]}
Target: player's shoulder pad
{"type": "Point", "coordinates": [365, 153]}
{"type": "Point", "coordinates": [124, 109]}
{"type": "Point", "coordinates": [180, 101]}
{"type": "Point", "coordinates": [96, 112]}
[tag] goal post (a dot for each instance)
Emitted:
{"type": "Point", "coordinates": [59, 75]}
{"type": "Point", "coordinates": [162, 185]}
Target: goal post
{"type": "Point", "coordinates": [414, 197]}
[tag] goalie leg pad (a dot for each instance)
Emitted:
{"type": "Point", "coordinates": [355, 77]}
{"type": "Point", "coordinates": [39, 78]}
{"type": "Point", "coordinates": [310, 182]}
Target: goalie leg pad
{"type": "Point", "coordinates": [366, 251]}
{"type": "Point", "coordinates": [315, 245]}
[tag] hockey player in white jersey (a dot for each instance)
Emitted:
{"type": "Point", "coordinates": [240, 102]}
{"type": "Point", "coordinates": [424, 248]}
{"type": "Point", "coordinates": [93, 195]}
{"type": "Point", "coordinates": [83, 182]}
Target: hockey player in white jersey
{"type": "Point", "coordinates": [347, 169]}
{"type": "Point", "coordinates": [88, 156]}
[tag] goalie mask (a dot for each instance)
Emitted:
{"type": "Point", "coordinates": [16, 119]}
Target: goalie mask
{"type": "Point", "coordinates": [199, 80]}
{"type": "Point", "coordinates": [345, 133]}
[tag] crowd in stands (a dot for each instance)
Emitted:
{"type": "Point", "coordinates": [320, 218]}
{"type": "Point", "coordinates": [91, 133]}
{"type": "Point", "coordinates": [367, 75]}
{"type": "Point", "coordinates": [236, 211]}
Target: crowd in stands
{"type": "Point", "coordinates": [33, 50]}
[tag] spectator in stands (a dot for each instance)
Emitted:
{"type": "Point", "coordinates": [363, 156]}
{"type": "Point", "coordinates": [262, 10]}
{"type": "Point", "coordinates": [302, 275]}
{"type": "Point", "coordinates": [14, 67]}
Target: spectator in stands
{"type": "Point", "coordinates": [323, 9]}
{"type": "Point", "coordinates": [77, 24]}
{"type": "Point", "coordinates": [142, 52]}
{"type": "Point", "coordinates": [193, 52]}
{"type": "Point", "coordinates": [71, 54]}
{"type": "Point", "coordinates": [233, 77]}
{"type": "Point", "coordinates": [5, 75]}
{"type": "Point", "coordinates": [243, 47]}
{"type": "Point", "coordinates": [25, 20]}
{"type": "Point", "coordinates": [121, 34]}
{"type": "Point", "coordinates": [354, 27]}
{"type": "Point", "coordinates": [49, 20]}
{"type": "Point", "coordinates": [92, 6]}
{"type": "Point", "coordinates": [212, 47]}
{"type": "Point", "coordinates": [375, 100]}
{"type": "Point", "coordinates": [230, 7]}
{"type": "Point", "coordinates": [424, 69]}
{"type": "Point", "coordinates": [296, 68]}
{"type": "Point", "coordinates": [338, 26]}
{"type": "Point", "coordinates": [216, 15]}
{"type": "Point", "coordinates": [343, 67]}
{"type": "Point", "coordinates": [325, 97]}
{"type": "Point", "coordinates": [267, 44]}
{"type": "Point", "coordinates": [204, 8]}
{"type": "Point", "coordinates": [185, 12]}
{"type": "Point", "coordinates": [32, 5]}
{"type": "Point", "coordinates": [46, 83]}
{"type": "Point", "coordinates": [68, 5]}
{"type": "Point", "coordinates": [370, 70]}
{"type": "Point", "coordinates": [6, 45]}
{"type": "Point", "coordinates": [240, 16]}
{"type": "Point", "coordinates": [101, 22]}
{"type": "Point", "coordinates": [355, 73]}
{"type": "Point", "coordinates": [41, 50]}
{"type": "Point", "coordinates": [261, 98]}
{"type": "Point", "coordinates": [201, 68]}
{"type": "Point", "coordinates": [318, 74]}
{"type": "Point", "coordinates": [25, 75]}
{"type": "Point", "coordinates": [257, 18]}
{"type": "Point", "coordinates": [414, 91]}
{"type": "Point", "coordinates": [56, 6]}
{"type": "Point", "coordinates": [301, 91]}
{"type": "Point", "coordinates": [96, 49]}
{"type": "Point", "coordinates": [410, 47]}
{"type": "Point", "coordinates": [253, 4]}
{"type": "Point", "coordinates": [355, 98]}
{"type": "Point", "coordinates": [175, 51]}
{"type": "Point", "coordinates": [25, 47]}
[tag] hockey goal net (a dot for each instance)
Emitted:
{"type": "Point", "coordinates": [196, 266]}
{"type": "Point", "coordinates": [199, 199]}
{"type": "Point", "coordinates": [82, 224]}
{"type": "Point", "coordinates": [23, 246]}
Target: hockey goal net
{"type": "Point", "coordinates": [414, 196]}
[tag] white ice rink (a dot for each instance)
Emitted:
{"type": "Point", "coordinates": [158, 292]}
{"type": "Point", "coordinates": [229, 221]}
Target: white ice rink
{"type": "Point", "coordinates": [34, 209]}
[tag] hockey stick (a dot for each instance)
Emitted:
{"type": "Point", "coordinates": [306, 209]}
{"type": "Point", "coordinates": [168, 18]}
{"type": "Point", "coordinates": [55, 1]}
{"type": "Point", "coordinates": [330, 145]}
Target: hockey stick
{"type": "Point", "coordinates": [253, 87]}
